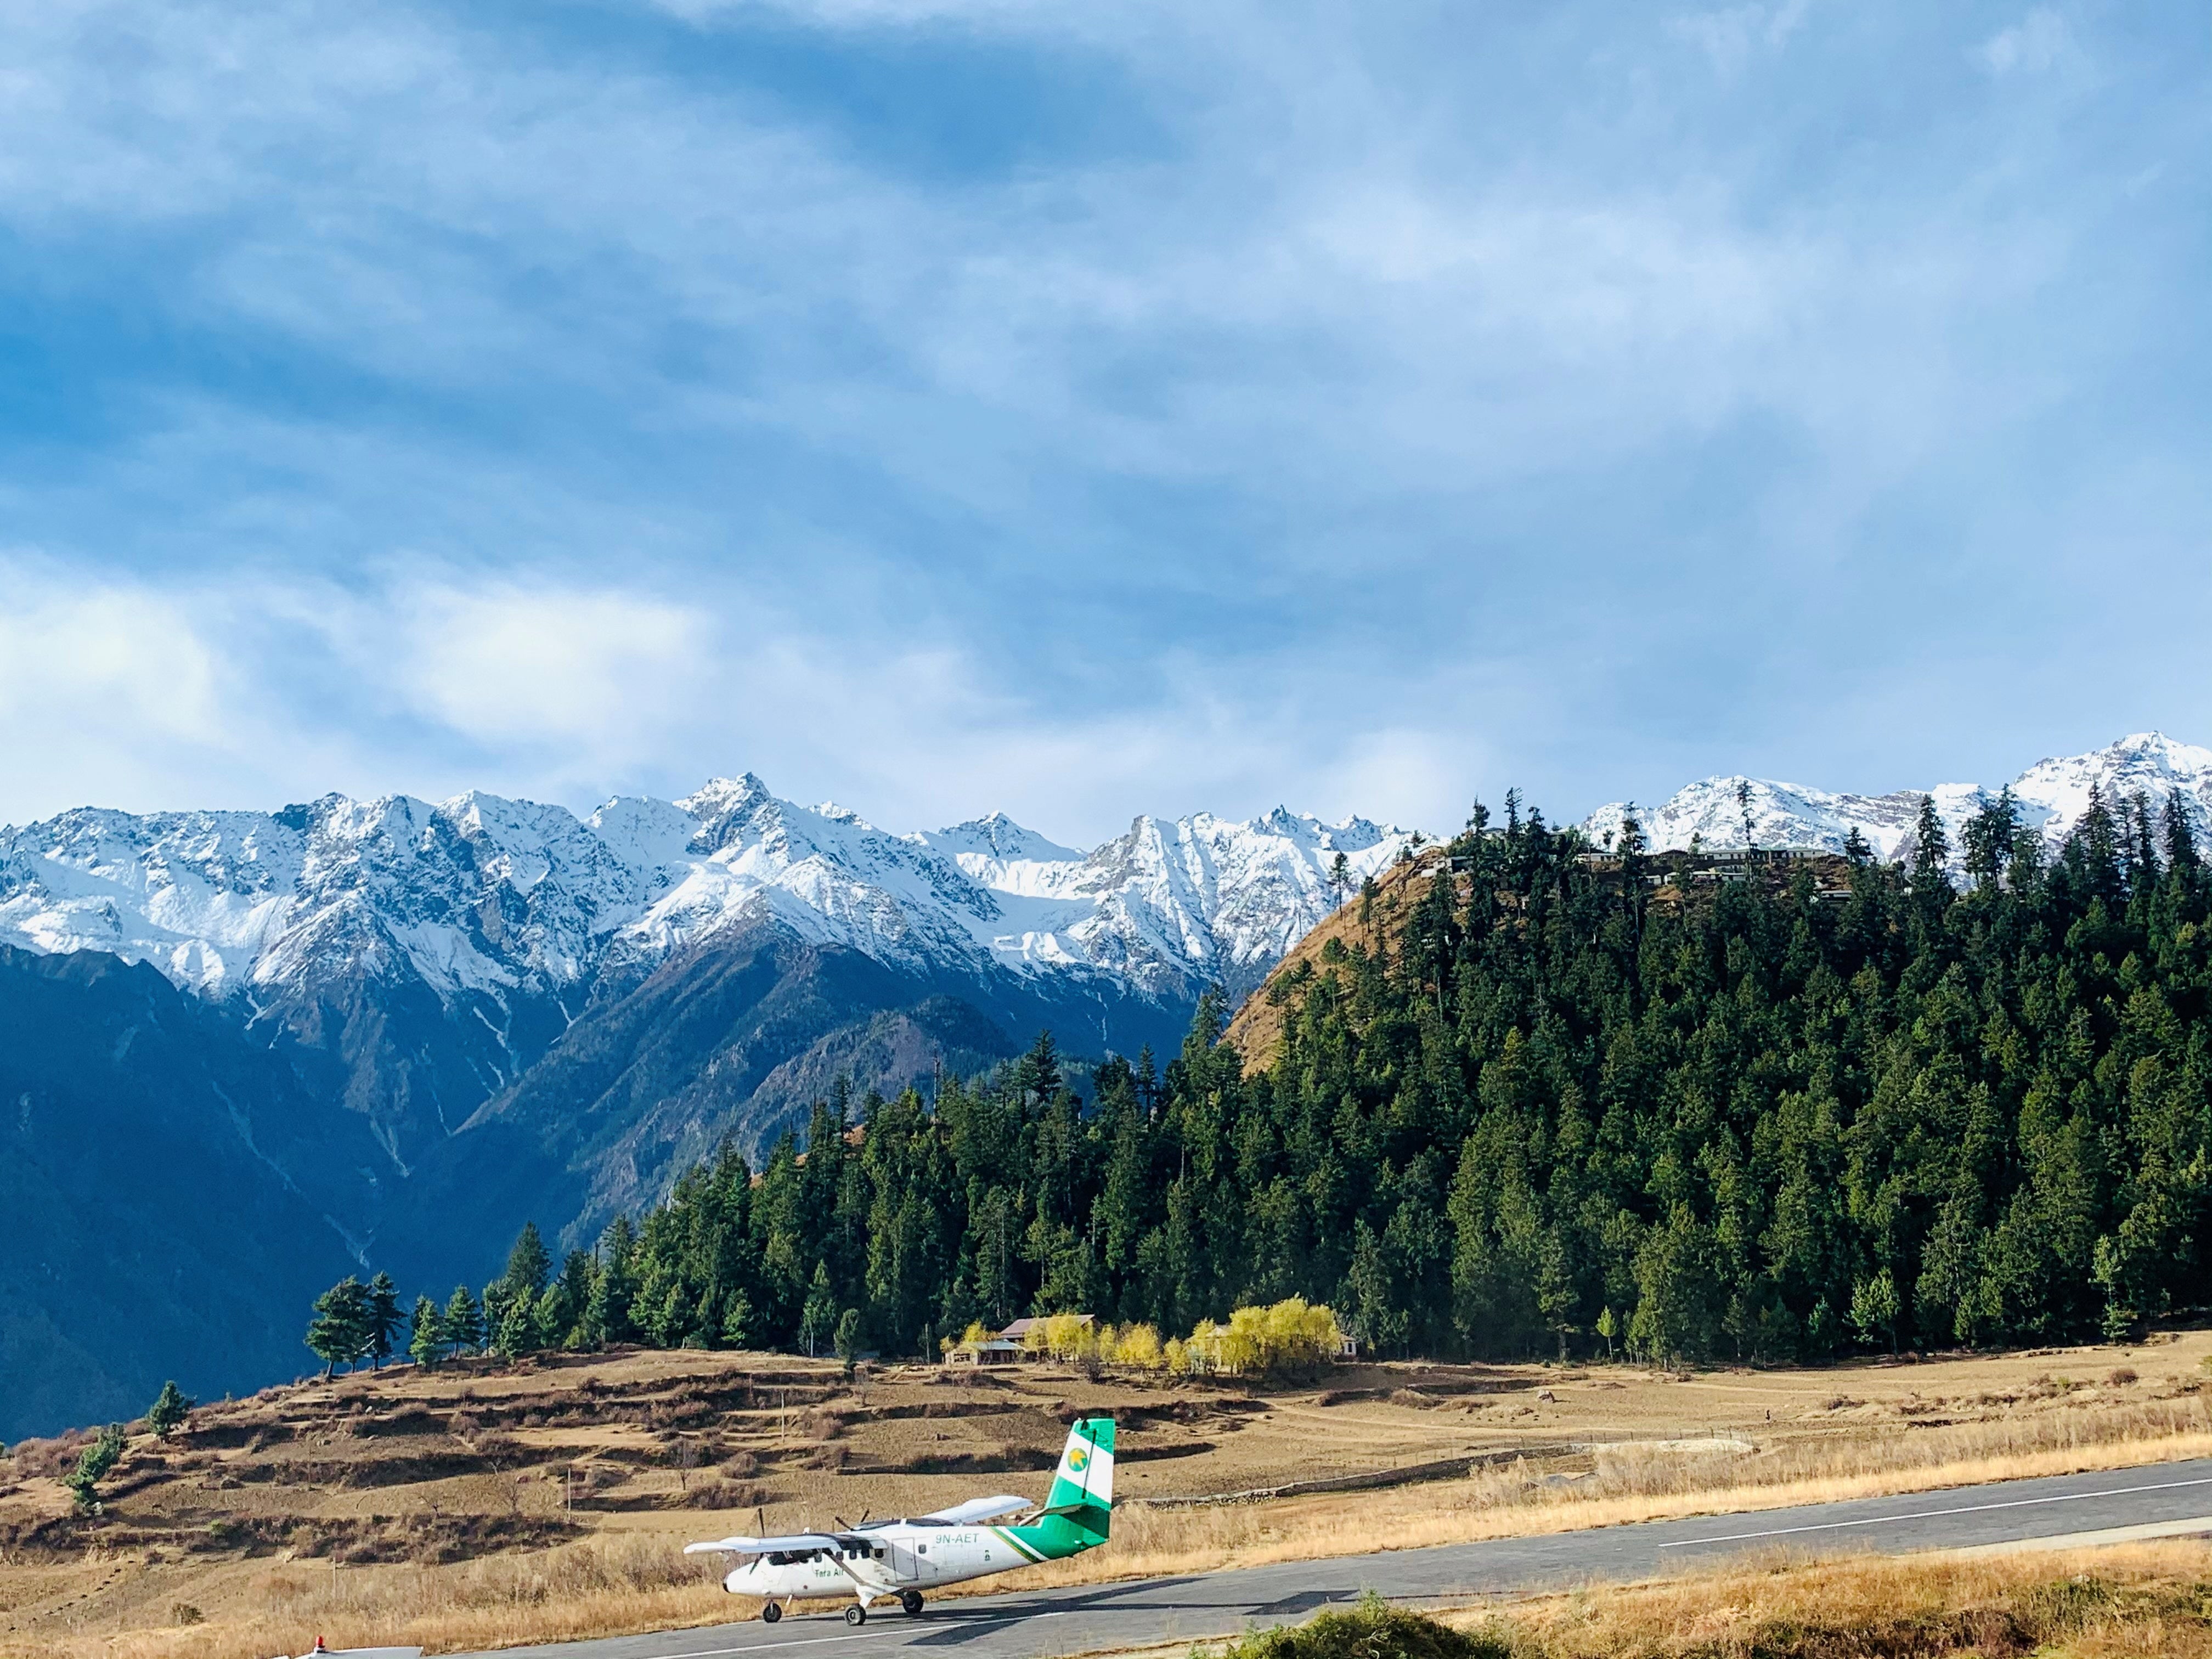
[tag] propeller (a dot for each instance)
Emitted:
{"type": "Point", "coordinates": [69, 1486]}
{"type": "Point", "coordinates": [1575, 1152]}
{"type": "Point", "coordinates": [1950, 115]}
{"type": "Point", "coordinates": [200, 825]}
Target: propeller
{"type": "Point", "coordinates": [853, 1527]}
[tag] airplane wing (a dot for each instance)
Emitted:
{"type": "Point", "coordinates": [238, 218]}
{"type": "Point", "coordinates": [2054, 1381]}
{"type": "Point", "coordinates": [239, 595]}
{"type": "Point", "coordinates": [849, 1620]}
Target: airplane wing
{"type": "Point", "coordinates": [797, 1541]}
{"type": "Point", "coordinates": [979, 1509]}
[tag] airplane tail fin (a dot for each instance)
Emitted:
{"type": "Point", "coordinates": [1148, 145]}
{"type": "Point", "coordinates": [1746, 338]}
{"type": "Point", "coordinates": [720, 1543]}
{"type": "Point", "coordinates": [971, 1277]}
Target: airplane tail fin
{"type": "Point", "coordinates": [1083, 1489]}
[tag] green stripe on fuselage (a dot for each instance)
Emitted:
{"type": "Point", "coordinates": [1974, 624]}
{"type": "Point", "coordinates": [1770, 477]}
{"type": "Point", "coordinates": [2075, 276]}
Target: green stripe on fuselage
{"type": "Point", "coordinates": [1022, 1550]}
{"type": "Point", "coordinates": [1053, 1539]}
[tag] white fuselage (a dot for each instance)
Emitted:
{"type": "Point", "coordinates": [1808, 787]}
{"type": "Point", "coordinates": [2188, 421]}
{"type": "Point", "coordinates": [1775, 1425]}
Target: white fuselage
{"type": "Point", "coordinates": [882, 1561]}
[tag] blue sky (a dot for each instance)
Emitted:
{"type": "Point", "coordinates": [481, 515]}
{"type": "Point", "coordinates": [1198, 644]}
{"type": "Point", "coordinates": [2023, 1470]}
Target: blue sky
{"type": "Point", "coordinates": [949, 405]}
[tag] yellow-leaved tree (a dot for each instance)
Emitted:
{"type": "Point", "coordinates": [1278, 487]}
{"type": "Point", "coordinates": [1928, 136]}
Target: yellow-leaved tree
{"type": "Point", "coordinates": [1292, 1335]}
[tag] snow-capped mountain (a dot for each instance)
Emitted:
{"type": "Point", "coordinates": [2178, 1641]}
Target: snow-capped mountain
{"type": "Point", "coordinates": [485, 895]}
{"type": "Point", "coordinates": [2052, 794]}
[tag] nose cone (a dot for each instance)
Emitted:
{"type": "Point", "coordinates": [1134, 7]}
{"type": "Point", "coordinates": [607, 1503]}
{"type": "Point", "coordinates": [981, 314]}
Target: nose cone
{"type": "Point", "coordinates": [741, 1581]}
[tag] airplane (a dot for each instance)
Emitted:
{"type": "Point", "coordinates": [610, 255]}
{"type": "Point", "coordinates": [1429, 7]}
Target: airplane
{"type": "Point", "coordinates": [882, 1560]}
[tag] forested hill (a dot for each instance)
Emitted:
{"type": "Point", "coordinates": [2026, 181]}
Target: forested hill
{"type": "Point", "coordinates": [1555, 1105]}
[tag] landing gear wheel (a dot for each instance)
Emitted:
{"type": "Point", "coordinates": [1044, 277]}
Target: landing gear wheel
{"type": "Point", "coordinates": [910, 1601]}
{"type": "Point", "coordinates": [856, 1615]}
{"type": "Point", "coordinates": [770, 1613]}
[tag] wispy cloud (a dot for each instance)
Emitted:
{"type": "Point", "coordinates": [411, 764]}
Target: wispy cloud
{"type": "Point", "coordinates": [1074, 409]}
{"type": "Point", "coordinates": [1731, 35]}
{"type": "Point", "coordinates": [2039, 42]}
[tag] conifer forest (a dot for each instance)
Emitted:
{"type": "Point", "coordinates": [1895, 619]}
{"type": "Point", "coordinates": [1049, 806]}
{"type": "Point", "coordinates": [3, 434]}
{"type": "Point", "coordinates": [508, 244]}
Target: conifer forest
{"type": "Point", "coordinates": [1556, 1103]}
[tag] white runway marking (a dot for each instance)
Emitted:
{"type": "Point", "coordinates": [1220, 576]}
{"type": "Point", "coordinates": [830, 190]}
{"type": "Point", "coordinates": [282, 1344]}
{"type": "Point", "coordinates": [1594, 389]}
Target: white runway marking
{"type": "Point", "coordinates": [818, 1641]}
{"type": "Point", "coordinates": [1931, 1515]}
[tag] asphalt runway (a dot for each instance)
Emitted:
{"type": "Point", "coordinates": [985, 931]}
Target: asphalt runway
{"type": "Point", "coordinates": [2168, 1500]}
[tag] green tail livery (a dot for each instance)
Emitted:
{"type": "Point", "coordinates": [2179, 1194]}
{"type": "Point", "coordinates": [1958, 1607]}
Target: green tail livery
{"type": "Point", "coordinates": [897, 1560]}
{"type": "Point", "coordinates": [1080, 1506]}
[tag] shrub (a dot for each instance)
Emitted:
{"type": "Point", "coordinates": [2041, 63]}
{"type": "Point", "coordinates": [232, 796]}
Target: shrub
{"type": "Point", "coordinates": [36, 1458]}
{"type": "Point", "coordinates": [726, 1494]}
{"type": "Point", "coordinates": [1373, 1630]}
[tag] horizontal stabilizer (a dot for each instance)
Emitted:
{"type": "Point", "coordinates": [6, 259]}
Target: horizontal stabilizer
{"type": "Point", "coordinates": [979, 1509]}
{"type": "Point", "coordinates": [798, 1540]}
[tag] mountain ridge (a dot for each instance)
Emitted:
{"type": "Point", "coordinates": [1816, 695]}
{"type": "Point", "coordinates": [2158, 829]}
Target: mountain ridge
{"type": "Point", "coordinates": [2052, 794]}
{"type": "Point", "coordinates": [495, 924]}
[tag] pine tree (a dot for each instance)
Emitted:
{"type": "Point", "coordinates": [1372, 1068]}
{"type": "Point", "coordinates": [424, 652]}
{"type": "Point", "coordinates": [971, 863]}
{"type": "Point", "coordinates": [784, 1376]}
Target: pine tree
{"type": "Point", "coordinates": [382, 1320]}
{"type": "Point", "coordinates": [93, 1464]}
{"type": "Point", "coordinates": [2180, 838]}
{"type": "Point", "coordinates": [1931, 850]}
{"type": "Point", "coordinates": [2094, 850]}
{"type": "Point", "coordinates": [820, 1317]}
{"type": "Point", "coordinates": [607, 1316]}
{"type": "Point", "coordinates": [169, 1411]}
{"type": "Point", "coordinates": [528, 1265]}
{"type": "Point", "coordinates": [339, 1334]}
{"type": "Point", "coordinates": [848, 1337]}
{"type": "Point", "coordinates": [736, 1321]}
{"type": "Point", "coordinates": [425, 1333]}
{"type": "Point", "coordinates": [463, 1323]}
{"type": "Point", "coordinates": [1989, 836]}
{"type": "Point", "coordinates": [1875, 1308]}
{"type": "Point", "coordinates": [518, 1332]}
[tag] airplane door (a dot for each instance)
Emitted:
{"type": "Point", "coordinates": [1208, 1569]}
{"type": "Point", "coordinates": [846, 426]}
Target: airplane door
{"type": "Point", "coordinates": [906, 1566]}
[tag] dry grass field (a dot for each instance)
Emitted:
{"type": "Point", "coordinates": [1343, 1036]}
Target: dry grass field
{"type": "Point", "coordinates": [483, 1504]}
{"type": "Point", "coordinates": [2145, 1602]}
{"type": "Point", "coordinates": [2152, 1601]}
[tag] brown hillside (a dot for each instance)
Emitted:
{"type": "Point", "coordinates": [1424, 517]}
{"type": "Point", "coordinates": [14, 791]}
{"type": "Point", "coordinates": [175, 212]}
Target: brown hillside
{"type": "Point", "coordinates": [1257, 1028]}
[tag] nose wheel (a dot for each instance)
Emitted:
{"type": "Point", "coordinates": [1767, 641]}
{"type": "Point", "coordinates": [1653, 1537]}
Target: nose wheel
{"type": "Point", "coordinates": [856, 1615]}
{"type": "Point", "coordinates": [770, 1613]}
{"type": "Point", "coordinates": [910, 1602]}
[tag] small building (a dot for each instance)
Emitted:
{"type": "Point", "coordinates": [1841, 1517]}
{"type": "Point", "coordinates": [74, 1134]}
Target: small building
{"type": "Point", "coordinates": [991, 1351]}
{"type": "Point", "coordinates": [1018, 1332]}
